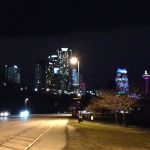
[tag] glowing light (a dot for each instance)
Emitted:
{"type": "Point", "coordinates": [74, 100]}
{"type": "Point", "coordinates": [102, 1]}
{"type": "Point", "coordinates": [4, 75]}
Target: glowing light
{"type": "Point", "coordinates": [73, 60]}
{"type": "Point", "coordinates": [15, 66]}
{"type": "Point", "coordinates": [24, 113]}
{"type": "Point", "coordinates": [54, 56]}
{"type": "Point", "coordinates": [64, 49]}
{"type": "Point", "coordinates": [122, 70]}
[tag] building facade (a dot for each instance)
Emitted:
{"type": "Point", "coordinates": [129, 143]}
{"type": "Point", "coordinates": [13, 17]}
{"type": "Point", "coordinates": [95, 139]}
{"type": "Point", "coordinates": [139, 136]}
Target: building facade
{"type": "Point", "coordinates": [12, 75]}
{"type": "Point", "coordinates": [42, 74]}
{"type": "Point", "coordinates": [57, 74]}
{"type": "Point", "coordinates": [65, 70]}
{"type": "Point", "coordinates": [122, 81]}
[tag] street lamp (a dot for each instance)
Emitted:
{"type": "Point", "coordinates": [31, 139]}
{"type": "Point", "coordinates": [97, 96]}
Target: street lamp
{"type": "Point", "coordinates": [74, 60]}
{"type": "Point", "coordinates": [26, 102]}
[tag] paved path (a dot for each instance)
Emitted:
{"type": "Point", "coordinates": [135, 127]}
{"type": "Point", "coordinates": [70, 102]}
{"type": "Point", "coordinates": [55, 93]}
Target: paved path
{"type": "Point", "coordinates": [33, 133]}
{"type": "Point", "coordinates": [54, 138]}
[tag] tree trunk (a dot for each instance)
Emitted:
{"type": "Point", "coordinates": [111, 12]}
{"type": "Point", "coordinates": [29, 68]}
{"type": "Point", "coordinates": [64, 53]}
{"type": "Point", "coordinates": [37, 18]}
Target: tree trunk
{"type": "Point", "coordinates": [116, 116]}
{"type": "Point", "coordinates": [124, 119]}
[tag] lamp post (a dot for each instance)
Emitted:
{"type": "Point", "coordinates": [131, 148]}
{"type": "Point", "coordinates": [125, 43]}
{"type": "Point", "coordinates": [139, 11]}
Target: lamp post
{"type": "Point", "coordinates": [26, 102]}
{"type": "Point", "coordinates": [74, 60]}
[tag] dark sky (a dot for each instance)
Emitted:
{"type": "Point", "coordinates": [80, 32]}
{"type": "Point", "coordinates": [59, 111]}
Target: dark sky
{"type": "Point", "coordinates": [104, 34]}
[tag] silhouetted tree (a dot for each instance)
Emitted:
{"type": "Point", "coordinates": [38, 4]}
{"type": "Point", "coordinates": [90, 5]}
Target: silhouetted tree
{"type": "Point", "coordinates": [110, 100]}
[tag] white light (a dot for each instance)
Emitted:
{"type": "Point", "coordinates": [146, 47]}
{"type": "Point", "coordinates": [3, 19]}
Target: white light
{"type": "Point", "coordinates": [79, 94]}
{"type": "Point", "coordinates": [24, 113]}
{"type": "Point", "coordinates": [73, 60]}
{"type": "Point", "coordinates": [6, 114]}
{"type": "Point", "coordinates": [64, 49]}
{"type": "Point", "coordinates": [84, 111]}
{"type": "Point", "coordinates": [15, 66]}
{"type": "Point", "coordinates": [146, 72]}
{"type": "Point", "coordinates": [2, 114]}
{"type": "Point", "coordinates": [53, 55]}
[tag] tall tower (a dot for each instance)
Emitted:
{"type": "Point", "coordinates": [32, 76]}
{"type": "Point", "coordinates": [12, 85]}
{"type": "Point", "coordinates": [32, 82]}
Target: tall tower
{"type": "Point", "coordinates": [146, 77]}
{"type": "Point", "coordinates": [12, 75]}
{"type": "Point", "coordinates": [42, 74]}
{"type": "Point", "coordinates": [54, 73]}
{"type": "Point", "coordinates": [65, 73]}
{"type": "Point", "coordinates": [122, 81]}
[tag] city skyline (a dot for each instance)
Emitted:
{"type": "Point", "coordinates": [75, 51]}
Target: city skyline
{"type": "Point", "coordinates": [104, 36]}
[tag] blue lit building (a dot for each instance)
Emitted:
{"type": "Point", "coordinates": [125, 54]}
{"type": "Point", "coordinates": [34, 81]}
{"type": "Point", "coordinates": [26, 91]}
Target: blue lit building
{"type": "Point", "coordinates": [122, 81]}
{"type": "Point", "coordinates": [75, 78]}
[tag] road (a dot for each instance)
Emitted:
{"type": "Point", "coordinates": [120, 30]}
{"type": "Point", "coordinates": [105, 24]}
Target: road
{"type": "Point", "coordinates": [38, 132]}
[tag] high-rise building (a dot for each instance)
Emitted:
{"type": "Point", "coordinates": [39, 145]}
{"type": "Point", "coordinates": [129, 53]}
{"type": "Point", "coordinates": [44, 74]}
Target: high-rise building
{"type": "Point", "coordinates": [83, 86]}
{"type": "Point", "coordinates": [65, 71]}
{"type": "Point", "coordinates": [54, 73]}
{"type": "Point", "coordinates": [12, 75]}
{"type": "Point", "coordinates": [57, 73]}
{"type": "Point", "coordinates": [75, 77]}
{"type": "Point", "coordinates": [42, 75]}
{"type": "Point", "coordinates": [122, 81]}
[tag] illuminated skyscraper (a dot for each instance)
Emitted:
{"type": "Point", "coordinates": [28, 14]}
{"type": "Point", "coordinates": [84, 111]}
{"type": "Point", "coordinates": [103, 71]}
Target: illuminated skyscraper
{"type": "Point", "coordinates": [54, 73]}
{"type": "Point", "coordinates": [57, 73]}
{"type": "Point", "coordinates": [75, 77]}
{"type": "Point", "coordinates": [12, 75]}
{"type": "Point", "coordinates": [122, 81]}
{"type": "Point", "coordinates": [65, 72]}
{"type": "Point", "coordinates": [42, 75]}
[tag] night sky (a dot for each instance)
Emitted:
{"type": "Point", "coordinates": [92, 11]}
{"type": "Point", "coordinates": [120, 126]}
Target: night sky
{"type": "Point", "coordinates": [104, 34]}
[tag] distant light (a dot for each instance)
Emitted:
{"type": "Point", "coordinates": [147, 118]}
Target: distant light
{"type": "Point", "coordinates": [120, 93]}
{"type": "Point", "coordinates": [145, 72]}
{"type": "Point", "coordinates": [24, 113]}
{"type": "Point", "coordinates": [122, 70]}
{"type": "Point", "coordinates": [56, 69]}
{"type": "Point", "coordinates": [15, 66]}
{"type": "Point", "coordinates": [146, 76]}
{"type": "Point", "coordinates": [79, 94]}
{"type": "Point", "coordinates": [35, 89]}
{"type": "Point", "coordinates": [21, 89]}
{"type": "Point", "coordinates": [83, 111]}
{"type": "Point", "coordinates": [5, 114]}
{"type": "Point", "coordinates": [64, 49]}
{"type": "Point", "coordinates": [53, 55]}
{"type": "Point", "coordinates": [134, 95]}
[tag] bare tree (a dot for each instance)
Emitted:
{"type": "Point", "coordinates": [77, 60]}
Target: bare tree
{"type": "Point", "coordinates": [106, 101]}
{"type": "Point", "coordinates": [110, 100]}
